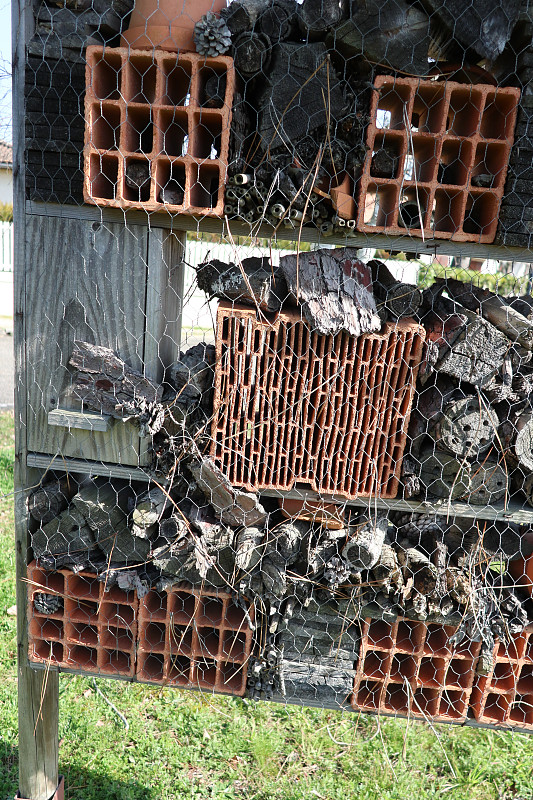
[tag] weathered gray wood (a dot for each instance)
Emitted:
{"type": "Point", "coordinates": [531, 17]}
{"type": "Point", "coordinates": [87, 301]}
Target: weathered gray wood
{"type": "Point", "coordinates": [92, 286]}
{"type": "Point", "coordinates": [50, 499]}
{"type": "Point", "coordinates": [38, 692]}
{"type": "Point", "coordinates": [478, 483]}
{"type": "Point", "coordinates": [83, 421]}
{"type": "Point", "coordinates": [393, 244]}
{"type": "Point", "coordinates": [365, 541]}
{"type": "Point", "coordinates": [466, 428]}
{"type": "Point", "coordinates": [253, 282]}
{"type": "Point", "coordinates": [150, 507]}
{"type": "Point", "coordinates": [400, 299]}
{"type": "Point", "coordinates": [494, 308]}
{"type": "Point", "coordinates": [233, 506]}
{"type": "Point", "coordinates": [64, 540]}
{"type": "Point", "coordinates": [334, 289]}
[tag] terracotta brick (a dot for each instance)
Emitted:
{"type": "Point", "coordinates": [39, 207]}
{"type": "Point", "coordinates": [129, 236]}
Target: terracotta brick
{"type": "Point", "coordinates": [445, 134]}
{"type": "Point", "coordinates": [504, 697]}
{"type": "Point", "coordinates": [194, 639]}
{"type": "Point", "coordinates": [94, 632]}
{"type": "Point", "coordinates": [408, 668]}
{"type": "Point", "coordinates": [330, 412]}
{"type": "Point", "coordinates": [147, 107]}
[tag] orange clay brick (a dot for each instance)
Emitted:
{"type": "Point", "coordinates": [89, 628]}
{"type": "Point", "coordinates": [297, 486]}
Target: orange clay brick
{"type": "Point", "coordinates": [327, 411]}
{"type": "Point", "coordinates": [440, 136]}
{"type": "Point", "coordinates": [194, 639]}
{"type": "Point", "coordinates": [95, 631]}
{"type": "Point", "coordinates": [504, 697]}
{"type": "Point", "coordinates": [144, 107]}
{"type": "Point", "coordinates": [409, 668]}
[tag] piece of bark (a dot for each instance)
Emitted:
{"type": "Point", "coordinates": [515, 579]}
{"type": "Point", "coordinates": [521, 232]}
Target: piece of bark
{"type": "Point", "coordinates": [365, 541]}
{"type": "Point", "coordinates": [386, 571]}
{"type": "Point", "coordinates": [386, 32]}
{"type": "Point", "coordinates": [50, 499]}
{"type": "Point", "coordinates": [400, 299]}
{"type": "Point", "coordinates": [100, 507]}
{"type": "Point", "coordinates": [493, 308]}
{"type": "Point", "coordinates": [149, 508]}
{"type": "Point", "coordinates": [232, 506]}
{"type": "Point", "coordinates": [466, 428]}
{"type": "Point", "coordinates": [67, 539]}
{"type": "Point", "coordinates": [254, 282]}
{"type": "Point", "coordinates": [417, 565]}
{"type": "Point", "coordinates": [105, 383]}
{"type": "Point", "coordinates": [335, 290]}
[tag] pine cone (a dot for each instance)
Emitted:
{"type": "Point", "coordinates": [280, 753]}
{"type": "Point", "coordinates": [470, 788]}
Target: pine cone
{"type": "Point", "coordinates": [212, 36]}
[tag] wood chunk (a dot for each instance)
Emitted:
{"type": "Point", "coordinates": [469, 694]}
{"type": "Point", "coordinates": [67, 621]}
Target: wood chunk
{"type": "Point", "coordinates": [99, 505]}
{"type": "Point", "coordinates": [365, 541]}
{"type": "Point", "coordinates": [493, 308]}
{"type": "Point", "coordinates": [150, 507]}
{"type": "Point", "coordinates": [467, 427]}
{"type": "Point", "coordinates": [400, 299]}
{"type": "Point", "coordinates": [50, 499]}
{"type": "Point", "coordinates": [316, 17]}
{"type": "Point", "coordinates": [335, 289]}
{"type": "Point", "coordinates": [253, 282]}
{"type": "Point", "coordinates": [67, 539]}
{"type": "Point", "coordinates": [312, 683]}
{"type": "Point", "coordinates": [386, 32]}
{"type": "Point", "coordinates": [516, 434]}
{"type": "Point", "coordinates": [192, 375]}
{"type": "Point", "coordinates": [252, 53]}
{"type": "Point", "coordinates": [249, 548]}
{"type": "Point", "coordinates": [107, 384]}
{"type": "Point", "coordinates": [470, 348]}
{"type": "Point", "coordinates": [292, 103]}
{"type": "Point", "coordinates": [486, 28]}
{"type": "Point", "coordinates": [231, 505]}
{"type": "Point", "coordinates": [279, 20]}
{"type": "Point", "coordinates": [445, 476]}
{"type": "Point", "coordinates": [241, 16]}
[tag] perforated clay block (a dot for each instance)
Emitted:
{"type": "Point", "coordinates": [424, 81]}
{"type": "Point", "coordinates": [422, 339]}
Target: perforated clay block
{"type": "Point", "coordinates": [504, 697]}
{"type": "Point", "coordinates": [409, 668]}
{"type": "Point", "coordinates": [327, 411]}
{"type": "Point", "coordinates": [149, 109]}
{"type": "Point", "coordinates": [448, 145]}
{"type": "Point", "coordinates": [192, 639]}
{"type": "Point", "coordinates": [95, 631]}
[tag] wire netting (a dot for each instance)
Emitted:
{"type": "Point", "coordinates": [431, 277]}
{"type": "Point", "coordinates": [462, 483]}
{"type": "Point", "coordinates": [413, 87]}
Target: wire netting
{"type": "Point", "coordinates": [289, 454]}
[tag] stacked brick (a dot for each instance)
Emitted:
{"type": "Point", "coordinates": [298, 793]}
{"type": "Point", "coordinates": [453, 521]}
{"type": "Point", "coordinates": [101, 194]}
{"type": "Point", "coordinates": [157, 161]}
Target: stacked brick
{"type": "Point", "coordinates": [516, 215]}
{"type": "Point", "coordinates": [54, 98]}
{"type": "Point", "coordinates": [181, 637]}
{"type": "Point", "coordinates": [448, 147]}
{"type": "Point", "coordinates": [355, 391]}
{"type": "Point", "coordinates": [146, 115]}
{"type": "Point", "coordinates": [410, 668]}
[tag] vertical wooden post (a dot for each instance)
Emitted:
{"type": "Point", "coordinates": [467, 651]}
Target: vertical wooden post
{"type": "Point", "coordinates": [38, 691]}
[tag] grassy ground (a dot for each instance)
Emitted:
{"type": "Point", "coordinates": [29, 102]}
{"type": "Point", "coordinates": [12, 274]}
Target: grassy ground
{"type": "Point", "coordinates": [182, 745]}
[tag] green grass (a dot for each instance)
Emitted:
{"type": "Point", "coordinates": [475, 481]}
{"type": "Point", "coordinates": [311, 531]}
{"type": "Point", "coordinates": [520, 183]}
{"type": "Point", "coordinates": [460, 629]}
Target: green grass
{"type": "Point", "coordinates": [182, 745]}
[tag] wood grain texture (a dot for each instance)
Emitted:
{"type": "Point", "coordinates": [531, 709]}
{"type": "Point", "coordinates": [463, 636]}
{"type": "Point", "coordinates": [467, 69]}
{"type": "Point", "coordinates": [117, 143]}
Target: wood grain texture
{"type": "Point", "coordinates": [88, 283]}
{"type": "Point", "coordinates": [38, 693]}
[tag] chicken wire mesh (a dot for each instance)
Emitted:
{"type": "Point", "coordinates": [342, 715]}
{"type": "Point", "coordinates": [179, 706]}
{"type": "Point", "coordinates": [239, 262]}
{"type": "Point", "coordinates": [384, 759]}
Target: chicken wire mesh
{"type": "Point", "coordinates": [291, 458]}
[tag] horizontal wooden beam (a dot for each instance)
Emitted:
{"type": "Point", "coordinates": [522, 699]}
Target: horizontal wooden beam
{"type": "Point", "coordinates": [396, 244]}
{"type": "Point", "coordinates": [81, 420]}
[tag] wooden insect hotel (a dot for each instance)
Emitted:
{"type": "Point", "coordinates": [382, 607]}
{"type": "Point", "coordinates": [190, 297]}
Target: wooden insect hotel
{"type": "Point", "coordinates": [274, 336]}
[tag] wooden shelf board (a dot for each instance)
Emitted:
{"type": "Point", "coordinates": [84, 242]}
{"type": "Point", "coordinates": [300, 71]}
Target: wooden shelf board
{"type": "Point", "coordinates": [182, 223]}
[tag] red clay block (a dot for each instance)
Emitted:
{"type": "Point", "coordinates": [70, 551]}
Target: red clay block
{"type": "Point", "coordinates": [94, 632]}
{"type": "Point", "coordinates": [445, 135]}
{"type": "Point", "coordinates": [408, 668]}
{"type": "Point", "coordinates": [146, 108]}
{"type": "Point", "coordinates": [278, 383]}
{"type": "Point", "coordinates": [194, 639]}
{"type": "Point", "coordinates": [504, 697]}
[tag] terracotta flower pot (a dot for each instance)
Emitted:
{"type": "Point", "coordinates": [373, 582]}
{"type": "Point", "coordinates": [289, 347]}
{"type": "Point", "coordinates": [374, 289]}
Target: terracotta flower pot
{"type": "Point", "coordinates": [167, 24]}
